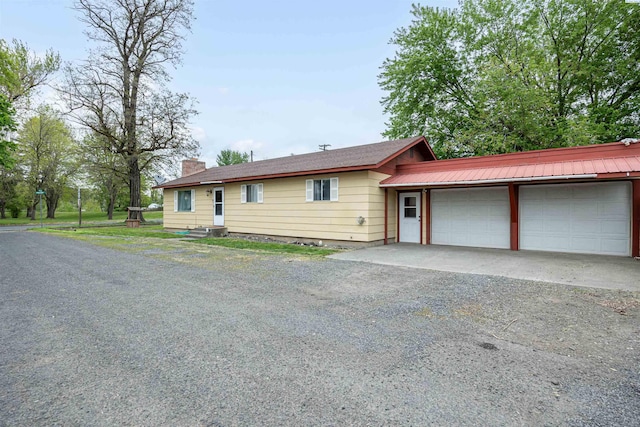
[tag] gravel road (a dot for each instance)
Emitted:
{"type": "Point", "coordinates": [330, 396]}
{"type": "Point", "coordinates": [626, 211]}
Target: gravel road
{"type": "Point", "coordinates": [171, 333]}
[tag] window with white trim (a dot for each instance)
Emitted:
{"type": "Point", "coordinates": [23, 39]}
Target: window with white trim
{"type": "Point", "coordinates": [251, 193]}
{"type": "Point", "coordinates": [322, 189]}
{"type": "Point", "coordinates": [184, 201]}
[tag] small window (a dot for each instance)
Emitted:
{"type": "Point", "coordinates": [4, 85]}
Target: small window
{"type": "Point", "coordinates": [410, 210]}
{"type": "Point", "coordinates": [322, 189]}
{"type": "Point", "coordinates": [184, 201]}
{"type": "Point", "coordinates": [251, 193]}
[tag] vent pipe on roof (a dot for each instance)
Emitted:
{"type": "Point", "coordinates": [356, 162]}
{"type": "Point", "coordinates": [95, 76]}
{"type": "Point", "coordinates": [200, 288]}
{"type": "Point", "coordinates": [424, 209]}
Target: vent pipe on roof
{"type": "Point", "coordinates": [629, 141]}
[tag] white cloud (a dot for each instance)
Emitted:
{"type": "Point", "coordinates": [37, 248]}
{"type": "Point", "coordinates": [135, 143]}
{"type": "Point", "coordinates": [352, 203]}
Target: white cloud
{"type": "Point", "coordinates": [247, 145]}
{"type": "Point", "coordinates": [223, 90]}
{"type": "Point", "coordinates": [198, 133]}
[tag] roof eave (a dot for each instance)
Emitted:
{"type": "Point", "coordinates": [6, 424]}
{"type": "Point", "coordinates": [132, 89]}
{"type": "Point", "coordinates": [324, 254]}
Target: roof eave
{"type": "Point", "coordinates": [272, 176]}
{"type": "Point", "coordinates": [492, 181]}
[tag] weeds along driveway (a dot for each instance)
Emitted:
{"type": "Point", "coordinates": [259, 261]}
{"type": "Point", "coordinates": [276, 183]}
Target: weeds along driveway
{"type": "Point", "coordinates": [171, 333]}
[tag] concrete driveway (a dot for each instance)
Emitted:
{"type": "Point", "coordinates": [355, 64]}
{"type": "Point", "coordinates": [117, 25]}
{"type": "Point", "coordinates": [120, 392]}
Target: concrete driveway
{"type": "Point", "coordinates": [594, 271]}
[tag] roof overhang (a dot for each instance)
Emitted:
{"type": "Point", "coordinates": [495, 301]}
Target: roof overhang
{"type": "Point", "coordinates": [491, 181]}
{"type": "Point", "coordinates": [273, 176]}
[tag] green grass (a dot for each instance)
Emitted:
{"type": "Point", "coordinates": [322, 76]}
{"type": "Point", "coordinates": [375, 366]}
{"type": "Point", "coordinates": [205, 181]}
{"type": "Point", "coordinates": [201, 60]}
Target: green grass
{"type": "Point", "coordinates": [154, 231]}
{"type": "Point", "coordinates": [72, 218]}
{"type": "Point", "coordinates": [266, 247]}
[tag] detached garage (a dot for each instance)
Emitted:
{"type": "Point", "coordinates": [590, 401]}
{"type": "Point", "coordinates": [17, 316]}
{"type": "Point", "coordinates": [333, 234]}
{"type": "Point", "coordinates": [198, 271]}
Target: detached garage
{"type": "Point", "coordinates": [578, 199]}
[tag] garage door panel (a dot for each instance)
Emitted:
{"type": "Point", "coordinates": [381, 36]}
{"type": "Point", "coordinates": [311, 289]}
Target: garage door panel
{"type": "Point", "coordinates": [471, 217]}
{"type": "Point", "coordinates": [588, 243]}
{"type": "Point", "coordinates": [585, 209]}
{"type": "Point", "coordinates": [557, 210]}
{"type": "Point", "coordinates": [615, 228]}
{"type": "Point", "coordinates": [531, 227]}
{"type": "Point", "coordinates": [564, 193]}
{"type": "Point", "coordinates": [613, 209]}
{"type": "Point", "coordinates": [555, 226]}
{"type": "Point", "coordinates": [581, 218]}
{"type": "Point", "coordinates": [586, 226]}
{"type": "Point", "coordinates": [615, 245]}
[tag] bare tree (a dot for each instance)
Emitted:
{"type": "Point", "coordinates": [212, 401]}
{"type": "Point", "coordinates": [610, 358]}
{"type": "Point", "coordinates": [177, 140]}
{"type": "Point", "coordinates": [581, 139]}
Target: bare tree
{"type": "Point", "coordinates": [120, 92]}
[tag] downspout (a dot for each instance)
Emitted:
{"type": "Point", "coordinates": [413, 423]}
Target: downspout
{"type": "Point", "coordinates": [635, 222]}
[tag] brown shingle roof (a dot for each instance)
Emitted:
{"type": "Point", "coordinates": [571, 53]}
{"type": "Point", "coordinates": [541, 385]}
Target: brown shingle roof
{"type": "Point", "coordinates": [351, 158]}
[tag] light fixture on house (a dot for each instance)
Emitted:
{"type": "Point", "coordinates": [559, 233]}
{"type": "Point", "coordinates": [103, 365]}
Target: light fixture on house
{"type": "Point", "coordinates": [360, 220]}
{"type": "Point", "coordinates": [209, 192]}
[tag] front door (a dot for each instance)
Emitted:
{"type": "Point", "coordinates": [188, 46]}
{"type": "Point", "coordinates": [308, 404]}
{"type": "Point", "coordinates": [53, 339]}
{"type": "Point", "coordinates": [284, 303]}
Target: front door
{"type": "Point", "coordinates": [218, 206]}
{"type": "Point", "coordinates": [410, 217]}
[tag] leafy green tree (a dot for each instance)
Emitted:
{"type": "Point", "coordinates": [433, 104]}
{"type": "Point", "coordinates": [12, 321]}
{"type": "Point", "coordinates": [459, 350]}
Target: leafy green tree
{"type": "Point", "coordinates": [121, 94]}
{"type": "Point", "coordinates": [106, 171]}
{"type": "Point", "coordinates": [7, 125]}
{"type": "Point", "coordinates": [231, 157]}
{"type": "Point", "coordinates": [48, 156]}
{"type": "Point", "coordinates": [9, 196]}
{"type": "Point", "coordinates": [497, 76]}
{"type": "Point", "coordinates": [22, 72]}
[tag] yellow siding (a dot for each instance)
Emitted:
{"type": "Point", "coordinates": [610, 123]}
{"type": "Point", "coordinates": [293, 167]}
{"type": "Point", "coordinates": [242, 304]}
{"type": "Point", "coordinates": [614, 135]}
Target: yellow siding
{"type": "Point", "coordinates": [285, 211]}
{"type": "Point", "coordinates": [202, 217]}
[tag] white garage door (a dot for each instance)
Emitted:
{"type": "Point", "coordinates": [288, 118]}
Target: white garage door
{"type": "Point", "coordinates": [582, 218]}
{"type": "Point", "coordinates": [471, 217]}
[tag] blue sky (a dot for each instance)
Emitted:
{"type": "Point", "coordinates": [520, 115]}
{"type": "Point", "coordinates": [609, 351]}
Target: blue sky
{"type": "Point", "coordinates": [276, 77]}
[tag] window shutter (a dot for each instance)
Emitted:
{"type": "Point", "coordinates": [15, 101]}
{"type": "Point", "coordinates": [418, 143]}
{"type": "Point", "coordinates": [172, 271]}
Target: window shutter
{"type": "Point", "coordinates": [334, 189]}
{"type": "Point", "coordinates": [243, 194]}
{"type": "Point", "coordinates": [193, 200]}
{"type": "Point", "coordinates": [175, 201]}
{"type": "Point", "coordinates": [259, 193]}
{"type": "Point", "coordinates": [309, 190]}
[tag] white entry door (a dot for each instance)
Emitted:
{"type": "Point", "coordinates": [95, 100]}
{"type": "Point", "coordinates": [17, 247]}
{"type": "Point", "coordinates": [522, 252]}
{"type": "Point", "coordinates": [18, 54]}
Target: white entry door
{"type": "Point", "coordinates": [218, 206]}
{"type": "Point", "coordinates": [410, 217]}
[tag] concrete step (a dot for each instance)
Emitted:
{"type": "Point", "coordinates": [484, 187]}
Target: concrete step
{"type": "Point", "coordinates": [200, 233]}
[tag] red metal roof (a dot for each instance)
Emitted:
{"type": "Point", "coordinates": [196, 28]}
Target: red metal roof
{"type": "Point", "coordinates": [613, 160]}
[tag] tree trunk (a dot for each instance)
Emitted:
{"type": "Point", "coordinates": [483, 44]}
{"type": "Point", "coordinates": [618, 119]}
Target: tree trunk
{"type": "Point", "coordinates": [2, 207]}
{"type": "Point", "coordinates": [52, 203]}
{"type": "Point", "coordinates": [135, 199]}
{"type": "Point", "coordinates": [31, 211]}
{"type": "Point", "coordinates": [113, 194]}
{"type": "Point", "coordinates": [51, 210]}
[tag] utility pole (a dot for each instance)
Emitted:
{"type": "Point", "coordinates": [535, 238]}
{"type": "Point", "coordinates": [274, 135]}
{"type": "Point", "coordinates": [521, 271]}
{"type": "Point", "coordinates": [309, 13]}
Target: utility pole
{"type": "Point", "coordinates": [79, 208]}
{"type": "Point", "coordinates": [323, 147]}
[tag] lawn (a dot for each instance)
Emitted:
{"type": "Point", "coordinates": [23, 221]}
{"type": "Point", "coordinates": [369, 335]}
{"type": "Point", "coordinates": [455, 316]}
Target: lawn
{"type": "Point", "coordinates": [72, 218]}
{"type": "Point", "coordinates": [156, 231]}
{"type": "Point", "coordinates": [288, 248]}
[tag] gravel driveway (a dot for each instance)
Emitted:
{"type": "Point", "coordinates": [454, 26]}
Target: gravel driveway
{"type": "Point", "coordinates": [172, 333]}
